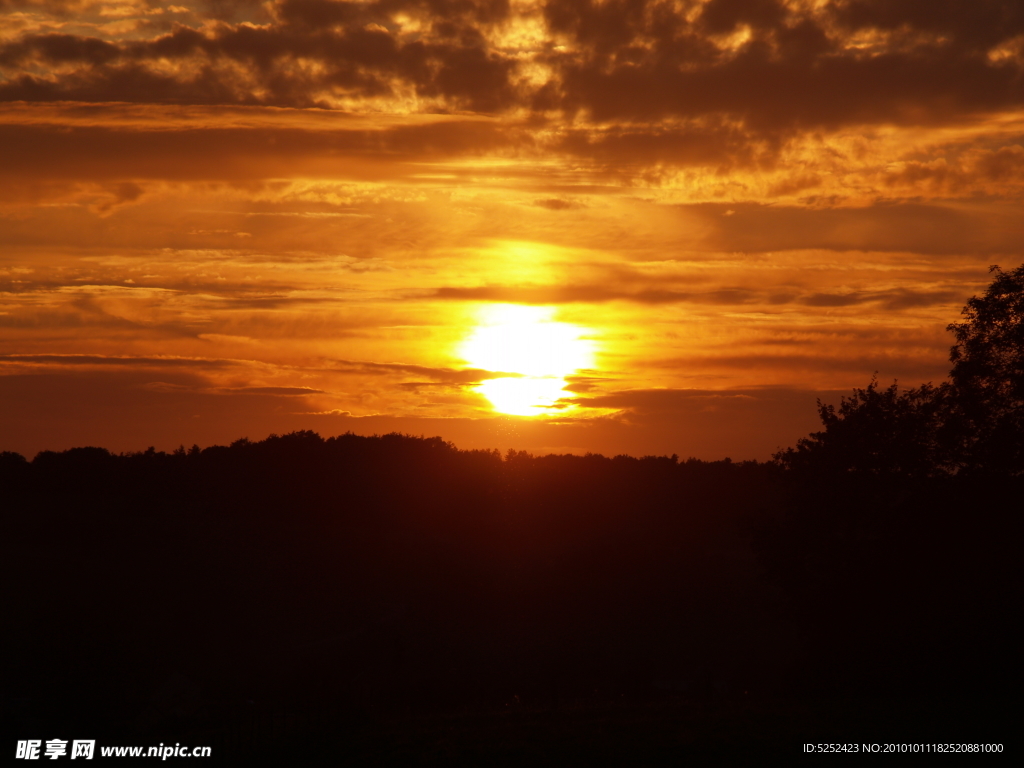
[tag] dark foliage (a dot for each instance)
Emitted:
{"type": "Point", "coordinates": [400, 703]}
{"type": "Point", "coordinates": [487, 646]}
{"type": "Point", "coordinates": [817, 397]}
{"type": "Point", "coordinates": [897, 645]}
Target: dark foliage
{"type": "Point", "coordinates": [897, 547]}
{"type": "Point", "coordinates": [878, 432]}
{"type": "Point", "coordinates": [383, 572]}
{"type": "Point", "coordinates": [155, 595]}
{"type": "Point", "coordinates": [971, 425]}
{"type": "Point", "coordinates": [988, 377]}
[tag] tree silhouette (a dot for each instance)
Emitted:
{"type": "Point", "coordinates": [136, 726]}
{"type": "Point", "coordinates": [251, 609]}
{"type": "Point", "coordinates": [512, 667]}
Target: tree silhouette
{"type": "Point", "coordinates": [988, 377]}
{"type": "Point", "coordinates": [973, 423]}
{"type": "Point", "coordinates": [896, 511]}
{"type": "Point", "coordinates": [878, 432]}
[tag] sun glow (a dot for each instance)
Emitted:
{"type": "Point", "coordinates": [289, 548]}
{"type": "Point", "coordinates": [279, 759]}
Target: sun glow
{"type": "Point", "coordinates": [539, 351]}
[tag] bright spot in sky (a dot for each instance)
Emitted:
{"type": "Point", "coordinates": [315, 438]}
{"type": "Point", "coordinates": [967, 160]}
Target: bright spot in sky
{"type": "Point", "coordinates": [510, 338]}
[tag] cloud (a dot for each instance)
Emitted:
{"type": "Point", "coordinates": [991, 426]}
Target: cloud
{"type": "Point", "coordinates": [977, 26]}
{"type": "Point", "coordinates": [789, 68]}
{"type": "Point", "coordinates": [939, 228]}
{"type": "Point", "coordinates": [557, 204]}
{"type": "Point", "coordinates": [127, 410]}
{"type": "Point", "coordinates": [768, 65]}
{"type": "Point", "coordinates": [900, 298]}
{"type": "Point", "coordinates": [248, 207]}
{"type": "Point", "coordinates": [915, 368]}
{"type": "Point", "coordinates": [116, 409]}
{"type": "Point", "coordinates": [446, 376]}
{"type": "Point", "coordinates": [356, 56]}
{"type": "Point", "coordinates": [116, 360]}
{"type": "Point", "coordinates": [569, 294]}
{"type": "Point", "coordinates": [62, 151]}
{"type": "Point", "coordinates": [274, 391]}
{"type": "Point", "coordinates": [120, 194]}
{"type": "Point", "coordinates": [695, 143]}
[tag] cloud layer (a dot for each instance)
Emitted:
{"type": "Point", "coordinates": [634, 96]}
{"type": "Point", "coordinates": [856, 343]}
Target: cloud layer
{"type": "Point", "coordinates": [290, 214]}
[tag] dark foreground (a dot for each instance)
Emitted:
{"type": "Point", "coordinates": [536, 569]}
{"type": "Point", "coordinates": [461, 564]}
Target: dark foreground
{"type": "Point", "coordinates": [381, 599]}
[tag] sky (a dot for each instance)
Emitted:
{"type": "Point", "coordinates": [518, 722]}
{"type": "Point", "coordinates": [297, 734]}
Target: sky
{"type": "Point", "coordinates": [564, 226]}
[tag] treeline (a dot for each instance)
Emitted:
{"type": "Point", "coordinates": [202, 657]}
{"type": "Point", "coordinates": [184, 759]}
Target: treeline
{"type": "Point", "coordinates": [387, 569]}
{"type": "Point", "coordinates": [399, 572]}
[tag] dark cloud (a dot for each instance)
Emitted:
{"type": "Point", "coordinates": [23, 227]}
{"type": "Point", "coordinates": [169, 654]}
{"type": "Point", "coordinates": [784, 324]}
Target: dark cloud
{"type": "Point", "coordinates": [977, 25]}
{"type": "Point", "coordinates": [901, 298]}
{"type": "Point", "coordinates": [120, 194]}
{"type": "Point", "coordinates": [79, 317]}
{"type": "Point", "coordinates": [945, 173]}
{"type": "Point", "coordinates": [886, 363]}
{"type": "Point", "coordinates": [562, 294]}
{"type": "Point", "coordinates": [88, 312]}
{"type": "Point", "coordinates": [93, 152]}
{"type": "Point", "coordinates": [1004, 164]}
{"type": "Point", "coordinates": [793, 184]}
{"type": "Point", "coordinates": [225, 293]}
{"type": "Point", "coordinates": [119, 361]}
{"type": "Point", "coordinates": [329, 13]}
{"type": "Point", "coordinates": [59, 49]}
{"type": "Point", "coordinates": [557, 204]}
{"type": "Point", "coordinates": [721, 16]}
{"type": "Point", "coordinates": [582, 384]}
{"type": "Point", "coordinates": [54, 7]}
{"type": "Point", "coordinates": [603, 28]}
{"type": "Point", "coordinates": [277, 391]}
{"type": "Point", "coordinates": [835, 299]}
{"type": "Point", "coordinates": [794, 69]}
{"type": "Point", "coordinates": [235, 10]}
{"type": "Point", "coordinates": [319, 13]}
{"type": "Point", "coordinates": [447, 376]}
{"type": "Point", "coordinates": [132, 83]}
{"type": "Point", "coordinates": [357, 56]}
{"type": "Point", "coordinates": [939, 229]}
{"type": "Point", "coordinates": [905, 298]}
{"type": "Point", "coordinates": [708, 143]}
{"type": "Point", "coordinates": [772, 95]}
{"type": "Point", "coordinates": [625, 61]}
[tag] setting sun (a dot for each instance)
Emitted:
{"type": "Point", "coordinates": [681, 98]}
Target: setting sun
{"type": "Point", "coordinates": [525, 341]}
{"type": "Point", "coordinates": [472, 376]}
{"type": "Point", "coordinates": [353, 219]}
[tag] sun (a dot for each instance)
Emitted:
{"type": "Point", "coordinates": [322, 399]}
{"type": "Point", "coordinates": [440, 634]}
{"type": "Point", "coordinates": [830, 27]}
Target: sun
{"type": "Point", "coordinates": [536, 350]}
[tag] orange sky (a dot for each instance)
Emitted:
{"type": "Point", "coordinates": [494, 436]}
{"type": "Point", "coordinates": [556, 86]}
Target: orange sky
{"type": "Point", "coordinates": [678, 222]}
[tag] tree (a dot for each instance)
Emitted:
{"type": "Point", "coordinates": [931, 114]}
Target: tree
{"type": "Point", "coordinates": [878, 432]}
{"type": "Point", "coordinates": [972, 424]}
{"type": "Point", "coordinates": [988, 377]}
